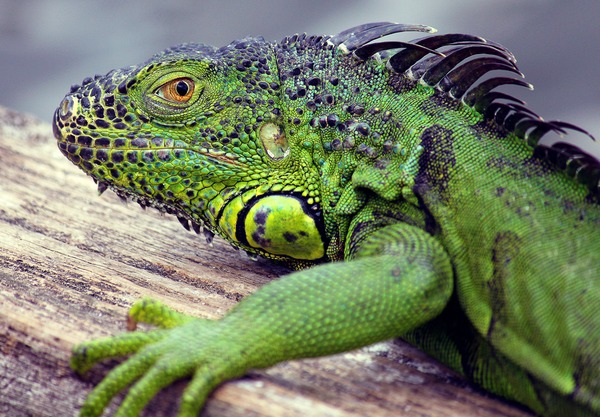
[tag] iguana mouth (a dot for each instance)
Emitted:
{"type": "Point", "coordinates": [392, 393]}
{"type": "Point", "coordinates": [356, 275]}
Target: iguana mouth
{"type": "Point", "coordinates": [86, 151]}
{"type": "Point", "coordinates": [95, 143]}
{"type": "Point", "coordinates": [84, 136]}
{"type": "Point", "coordinates": [89, 128]}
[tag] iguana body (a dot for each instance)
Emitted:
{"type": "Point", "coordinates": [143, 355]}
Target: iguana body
{"type": "Point", "coordinates": [457, 230]}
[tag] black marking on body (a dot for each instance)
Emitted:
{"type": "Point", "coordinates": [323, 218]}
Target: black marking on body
{"type": "Point", "coordinates": [403, 213]}
{"type": "Point", "coordinates": [359, 232]}
{"type": "Point", "coordinates": [437, 101]}
{"type": "Point", "coordinates": [437, 160]}
{"type": "Point", "coordinates": [505, 249]}
{"type": "Point", "coordinates": [400, 84]}
{"type": "Point", "coordinates": [260, 219]}
{"type": "Point", "coordinates": [290, 237]}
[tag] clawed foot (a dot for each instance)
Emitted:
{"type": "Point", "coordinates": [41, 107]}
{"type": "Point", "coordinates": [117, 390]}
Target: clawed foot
{"type": "Point", "coordinates": [209, 352]}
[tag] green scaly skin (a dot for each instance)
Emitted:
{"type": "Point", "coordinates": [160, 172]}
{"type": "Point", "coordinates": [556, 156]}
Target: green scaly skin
{"type": "Point", "coordinates": [457, 230]}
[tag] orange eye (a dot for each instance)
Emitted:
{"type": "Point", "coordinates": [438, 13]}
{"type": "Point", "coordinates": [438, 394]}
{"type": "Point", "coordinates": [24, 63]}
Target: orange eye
{"type": "Point", "coordinates": [177, 91]}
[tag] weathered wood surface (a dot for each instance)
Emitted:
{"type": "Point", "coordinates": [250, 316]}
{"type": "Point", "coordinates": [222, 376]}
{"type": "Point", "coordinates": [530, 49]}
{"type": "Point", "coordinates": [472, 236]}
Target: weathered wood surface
{"type": "Point", "coordinates": [71, 263]}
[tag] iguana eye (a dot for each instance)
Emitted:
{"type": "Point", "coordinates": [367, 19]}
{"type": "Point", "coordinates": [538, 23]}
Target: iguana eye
{"type": "Point", "coordinates": [179, 90]}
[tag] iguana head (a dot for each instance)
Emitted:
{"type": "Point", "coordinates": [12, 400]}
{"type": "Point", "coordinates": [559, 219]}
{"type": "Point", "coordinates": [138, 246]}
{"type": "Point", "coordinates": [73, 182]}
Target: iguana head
{"type": "Point", "coordinates": [196, 132]}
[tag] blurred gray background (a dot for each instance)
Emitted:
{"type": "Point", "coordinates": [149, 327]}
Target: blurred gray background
{"type": "Point", "coordinates": [45, 46]}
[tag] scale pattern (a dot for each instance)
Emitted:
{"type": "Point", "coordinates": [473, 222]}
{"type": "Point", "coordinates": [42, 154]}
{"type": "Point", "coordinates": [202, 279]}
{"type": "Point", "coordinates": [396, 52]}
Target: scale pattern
{"type": "Point", "coordinates": [457, 228]}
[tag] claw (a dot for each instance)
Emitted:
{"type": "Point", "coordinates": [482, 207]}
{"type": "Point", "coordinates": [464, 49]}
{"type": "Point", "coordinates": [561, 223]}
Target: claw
{"type": "Point", "coordinates": [116, 381]}
{"type": "Point", "coordinates": [153, 312]}
{"type": "Point", "coordinates": [86, 355]}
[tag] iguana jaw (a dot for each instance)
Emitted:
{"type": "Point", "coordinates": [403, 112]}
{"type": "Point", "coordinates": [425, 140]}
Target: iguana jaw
{"type": "Point", "coordinates": [207, 189]}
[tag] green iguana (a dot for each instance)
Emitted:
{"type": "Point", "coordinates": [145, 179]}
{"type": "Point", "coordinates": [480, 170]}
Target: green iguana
{"type": "Point", "coordinates": [419, 196]}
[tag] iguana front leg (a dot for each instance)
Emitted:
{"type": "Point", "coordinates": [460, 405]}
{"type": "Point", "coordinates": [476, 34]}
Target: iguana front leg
{"type": "Point", "coordinates": [399, 278]}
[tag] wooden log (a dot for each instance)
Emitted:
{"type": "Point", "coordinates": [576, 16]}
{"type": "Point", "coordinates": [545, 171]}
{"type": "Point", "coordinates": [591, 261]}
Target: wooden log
{"type": "Point", "coordinates": [71, 263]}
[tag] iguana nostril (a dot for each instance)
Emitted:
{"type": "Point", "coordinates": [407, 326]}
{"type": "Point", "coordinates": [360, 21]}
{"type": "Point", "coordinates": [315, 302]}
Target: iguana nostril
{"type": "Point", "coordinates": [66, 108]}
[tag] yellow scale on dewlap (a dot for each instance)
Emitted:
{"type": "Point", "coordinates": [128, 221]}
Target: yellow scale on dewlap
{"type": "Point", "coordinates": [277, 224]}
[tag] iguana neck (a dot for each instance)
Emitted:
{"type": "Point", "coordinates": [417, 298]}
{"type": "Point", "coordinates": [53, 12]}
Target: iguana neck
{"type": "Point", "coordinates": [360, 141]}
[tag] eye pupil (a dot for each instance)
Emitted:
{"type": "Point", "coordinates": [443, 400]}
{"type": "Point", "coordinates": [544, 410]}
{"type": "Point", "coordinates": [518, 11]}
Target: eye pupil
{"type": "Point", "coordinates": [179, 91]}
{"type": "Point", "coordinates": [182, 88]}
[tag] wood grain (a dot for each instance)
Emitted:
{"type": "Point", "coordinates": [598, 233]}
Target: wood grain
{"type": "Point", "coordinates": [72, 262]}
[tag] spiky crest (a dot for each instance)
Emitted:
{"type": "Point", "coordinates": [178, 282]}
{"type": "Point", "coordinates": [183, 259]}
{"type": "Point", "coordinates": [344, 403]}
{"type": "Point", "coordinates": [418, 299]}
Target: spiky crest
{"type": "Point", "coordinates": [454, 64]}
